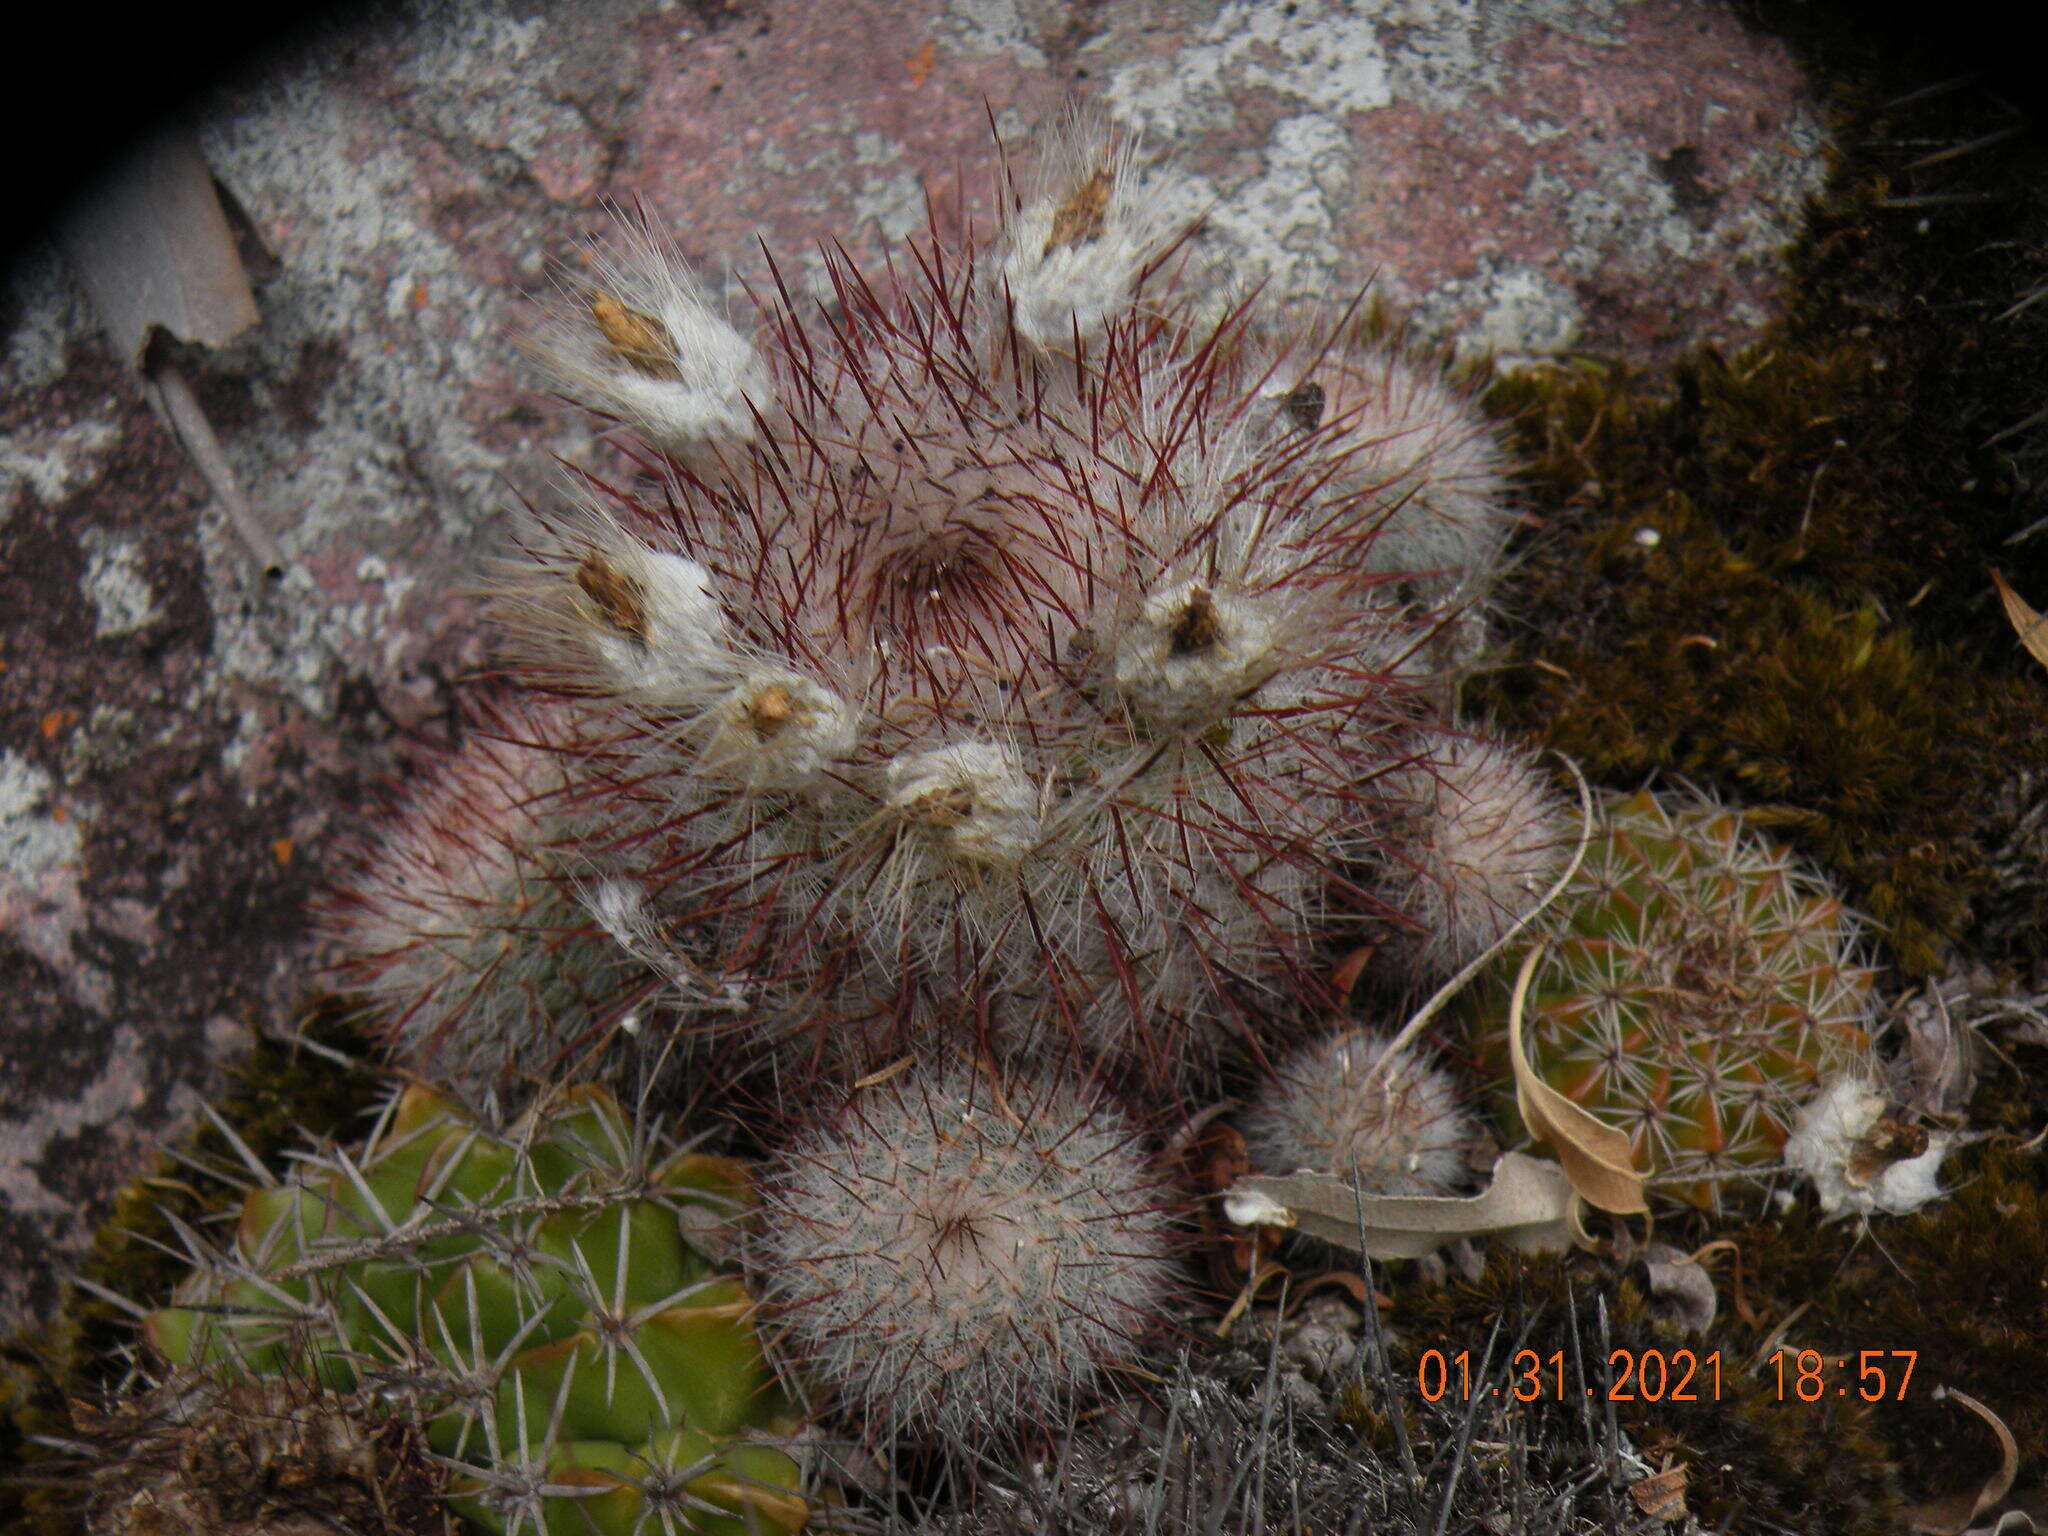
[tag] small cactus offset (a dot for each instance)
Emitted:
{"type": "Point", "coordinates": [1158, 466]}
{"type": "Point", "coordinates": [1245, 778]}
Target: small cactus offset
{"type": "Point", "coordinates": [542, 1302]}
{"type": "Point", "coordinates": [1401, 1129]}
{"type": "Point", "coordinates": [460, 924]}
{"type": "Point", "coordinates": [1700, 983]}
{"type": "Point", "coordinates": [958, 1256]}
{"type": "Point", "coordinates": [1476, 839]}
{"type": "Point", "coordinates": [1443, 480]}
{"type": "Point", "coordinates": [1011, 638]}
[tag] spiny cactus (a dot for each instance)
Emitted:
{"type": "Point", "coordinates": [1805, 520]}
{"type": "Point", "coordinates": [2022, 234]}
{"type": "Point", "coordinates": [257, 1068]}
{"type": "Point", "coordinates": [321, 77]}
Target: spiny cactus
{"type": "Point", "coordinates": [1435, 469]}
{"type": "Point", "coordinates": [1008, 637]}
{"type": "Point", "coordinates": [1479, 839]}
{"type": "Point", "coordinates": [1402, 1133]}
{"type": "Point", "coordinates": [1701, 982]}
{"type": "Point", "coordinates": [461, 923]}
{"type": "Point", "coordinates": [956, 1256]}
{"type": "Point", "coordinates": [541, 1301]}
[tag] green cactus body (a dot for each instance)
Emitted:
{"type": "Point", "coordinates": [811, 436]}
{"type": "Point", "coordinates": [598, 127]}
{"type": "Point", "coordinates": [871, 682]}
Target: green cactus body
{"type": "Point", "coordinates": [1699, 984]}
{"type": "Point", "coordinates": [533, 1299]}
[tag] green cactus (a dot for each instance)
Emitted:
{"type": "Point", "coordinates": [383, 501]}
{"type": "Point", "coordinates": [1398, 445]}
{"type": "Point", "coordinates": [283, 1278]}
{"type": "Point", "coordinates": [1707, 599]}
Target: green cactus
{"type": "Point", "coordinates": [1700, 982]}
{"type": "Point", "coordinates": [540, 1301]}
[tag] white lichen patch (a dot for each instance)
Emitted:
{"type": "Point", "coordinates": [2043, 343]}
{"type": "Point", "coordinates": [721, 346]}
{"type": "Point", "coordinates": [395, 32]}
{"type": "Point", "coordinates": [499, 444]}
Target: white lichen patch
{"type": "Point", "coordinates": [34, 840]}
{"type": "Point", "coordinates": [1522, 314]}
{"type": "Point", "coordinates": [41, 847]}
{"type": "Point", "coordinates": [479, 74]}
{"type": "Point", "coordinates": [52, 462]}
{"type": "Point", "coordinates": [49, 314]}
{"type": "Point", "coordinates": [1329, 57]}
{"type": "Point", "coordinates": [392, 458]}
{"type": "Point", "coordinates": [993, 27]}
{"type": "Point", "coordinates": [123, 602]}
{"type": "Point", "coordinates": [1281, 227]}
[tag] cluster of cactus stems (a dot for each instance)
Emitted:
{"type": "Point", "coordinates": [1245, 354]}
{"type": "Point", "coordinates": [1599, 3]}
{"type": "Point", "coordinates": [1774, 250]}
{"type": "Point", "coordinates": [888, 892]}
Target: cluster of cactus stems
{"type": "Point", "coordinates": [1007, 643]}
{"type": "Point", "coordinates": [987, 693]}
{"type": "Point", "coordinates": [534, 1299]}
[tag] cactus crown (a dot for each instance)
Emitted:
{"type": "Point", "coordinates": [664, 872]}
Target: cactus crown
{"type": "Point", "coordinates": [542, 1301]}
{"type": "Point", "coordinates": [1007, 624]}
{"type": "Point", "coordinates": [1701, 982]}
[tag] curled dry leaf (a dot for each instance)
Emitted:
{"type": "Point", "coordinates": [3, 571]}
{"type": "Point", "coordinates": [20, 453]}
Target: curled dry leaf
{"type": "Point", "coordinates": [2032, 626]}
{"type": "Point", "coordinates": [1529, 1204]}
{"type": "Point", "coordinates": [1952, 1516]}
{"type": "Point", "coordinates": [1598, 1159]}
{"type": "Point", "coordinates": [1682, 1285]}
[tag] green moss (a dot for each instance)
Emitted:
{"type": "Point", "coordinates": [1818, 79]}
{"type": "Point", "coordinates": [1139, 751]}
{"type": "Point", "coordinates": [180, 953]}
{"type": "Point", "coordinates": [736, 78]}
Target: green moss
{"type": "Point", "coordinates": [1656, 643]}
{"type": "Point", "coordinates": [1770, 574]}
{"type": "Point", "coordinates": [1963, 1284]}
{"type": "Point", "coordinates": [282, 1094]}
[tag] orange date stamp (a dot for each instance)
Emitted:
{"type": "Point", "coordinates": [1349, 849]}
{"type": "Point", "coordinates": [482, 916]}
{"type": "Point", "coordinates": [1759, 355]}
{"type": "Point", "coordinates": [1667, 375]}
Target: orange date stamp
{"type": "Point", "coordinates": [1673, 1376]}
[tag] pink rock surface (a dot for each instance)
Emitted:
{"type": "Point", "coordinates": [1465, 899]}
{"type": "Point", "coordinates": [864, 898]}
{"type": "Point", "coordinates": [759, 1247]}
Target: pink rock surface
{"type": "Point", "coordinates": [181, 752]}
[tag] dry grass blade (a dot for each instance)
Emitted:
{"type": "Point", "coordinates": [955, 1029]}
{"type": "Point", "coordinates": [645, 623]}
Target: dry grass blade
{"type": "Point", "coordinates": [2031, 626]}
{"type": "Point", "coordinates": [1409, 1031]}
{"type": "Point", "coordinates": [1952, 1516]}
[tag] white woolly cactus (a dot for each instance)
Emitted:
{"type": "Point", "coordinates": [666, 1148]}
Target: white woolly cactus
{"type": "Point", "coordinates": [461, 923]}
{"type": "Point", "coordinates": [1404, 1131]}
{"type": "Point", "coordinates": [1482, 837]}
{"type": "Point", "coordinates": [1015, 661]}
{"type": "Point", "coordinates": [1448, 513]}
{"type": "Point", "coordinates": [989, 650]}
{"type": "Point", "coordinates": [956, 1256]}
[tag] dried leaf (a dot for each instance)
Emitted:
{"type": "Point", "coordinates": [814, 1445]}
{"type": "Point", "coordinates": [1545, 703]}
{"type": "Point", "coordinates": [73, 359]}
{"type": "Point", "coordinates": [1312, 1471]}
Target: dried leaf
{"type": "Point", "coordinates": [1938, 1053]}
{"type": "Point", "coordinates": [1344, 979]}
{"type": "Point", "coordinates": [1952, 1516]}
{"type": "Point", "coordinates": [2032, 627]}
{"type": "Point", "coordinates": [1890, 1141]}
{"type": "Point", "coordinates": [1598, 1159]}
{"type": "Point", "coordinates": [1662, 1497]}
{"type": "Point", "coordinates": [1529, 1203]}
{"type": "Point", "coordinates": [153, 251]}
{"type": "Point", "coordinates": [1682, 1284]}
